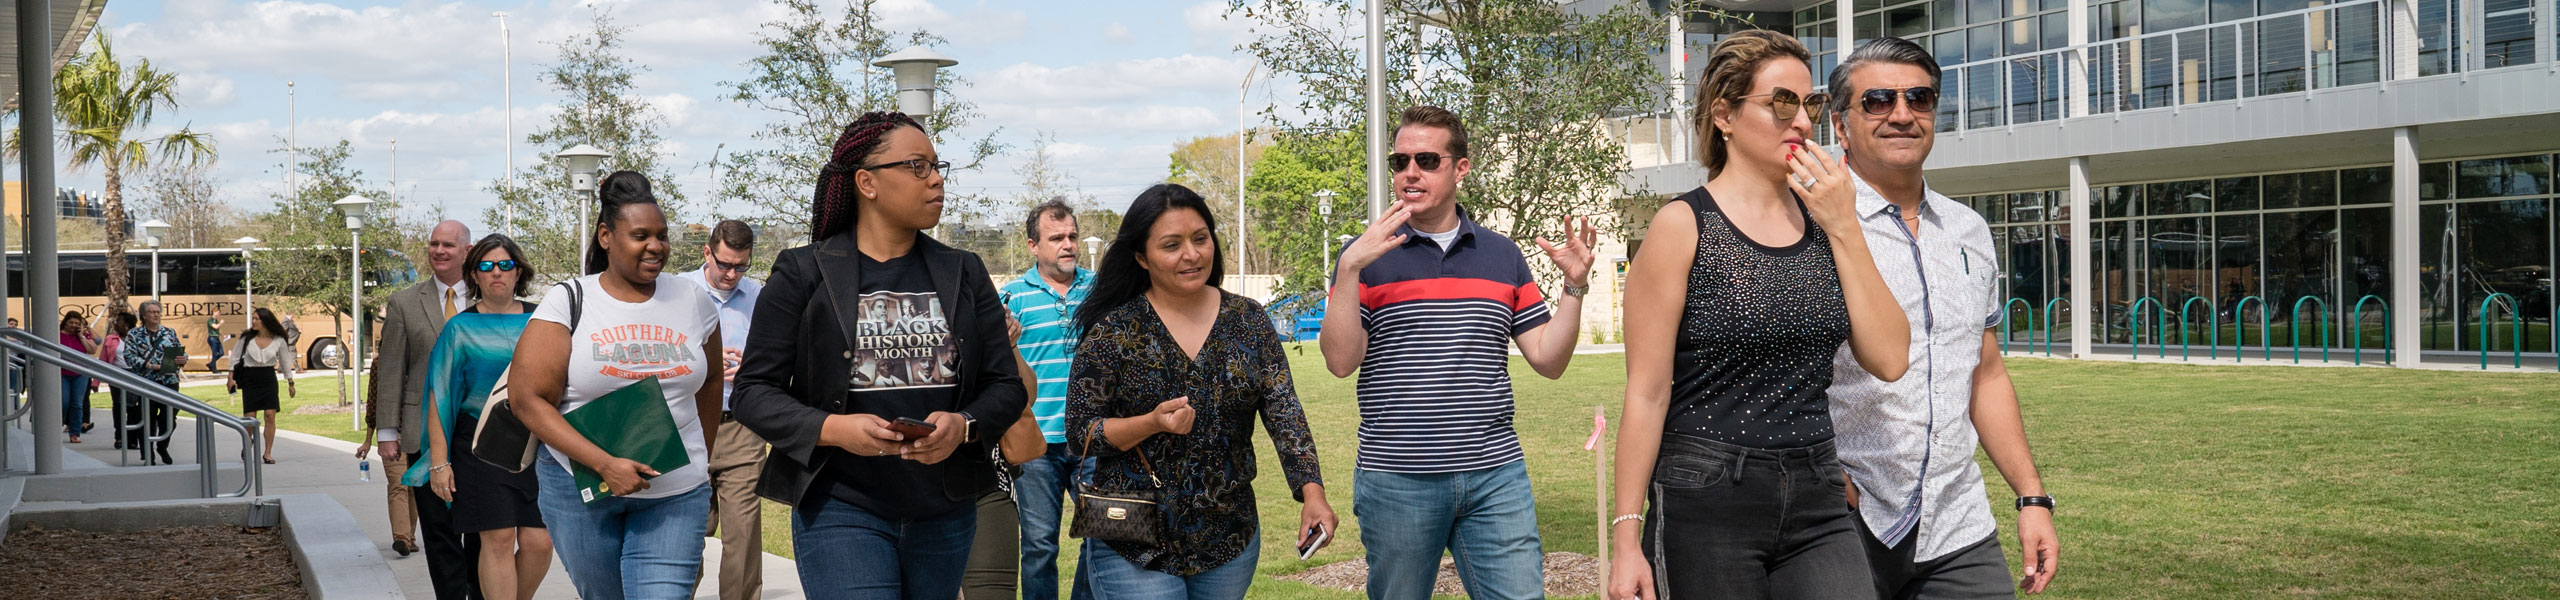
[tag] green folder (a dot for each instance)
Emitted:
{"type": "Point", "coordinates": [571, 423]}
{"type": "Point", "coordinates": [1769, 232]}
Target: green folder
{"type": "Point", "coordinates": [632, 423]}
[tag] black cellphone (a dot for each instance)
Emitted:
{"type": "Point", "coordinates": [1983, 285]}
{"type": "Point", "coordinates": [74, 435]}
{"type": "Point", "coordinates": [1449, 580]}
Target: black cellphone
{"type": "Point", "coordinates": [1315, 539]}
{"type": "Point", "coordinates": [913, 429]}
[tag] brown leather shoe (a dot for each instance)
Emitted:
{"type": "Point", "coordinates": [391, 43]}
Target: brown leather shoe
{"type": "Point", "coordinates": [403, 546]}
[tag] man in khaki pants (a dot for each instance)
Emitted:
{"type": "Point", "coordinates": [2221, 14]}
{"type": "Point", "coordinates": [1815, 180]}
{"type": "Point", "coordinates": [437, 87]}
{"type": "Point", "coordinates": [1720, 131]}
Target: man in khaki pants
{"type": "Point", "coordinates": [736, 454]}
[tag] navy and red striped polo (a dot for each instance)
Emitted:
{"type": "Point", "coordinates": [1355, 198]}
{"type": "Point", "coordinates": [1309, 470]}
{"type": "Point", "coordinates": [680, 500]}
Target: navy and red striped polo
{"type": "Point", "coordinates": [1435, 385]}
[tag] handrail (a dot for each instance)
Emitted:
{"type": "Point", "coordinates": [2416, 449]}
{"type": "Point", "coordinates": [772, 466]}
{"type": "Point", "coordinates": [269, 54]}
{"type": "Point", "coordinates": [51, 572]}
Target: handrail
{"type": "Point", "coordinates": [2213, 329]}
{"type": "Point", "coordinates": [12, 414]}
{"type": "Point", "coordinates": [2240, 336]}
{"type": "Point", "coordinates": [2004, 320]}
{"type": "Point", "coordinates": [2048, 325]}
{"type": "Point", "coordinates": [2515, 331]}
{"type": "Point", "coordinates": [2133, 320]}
{"type": "Point", "coordinates": [2357, 316]}
{"type": "Point", "coordinates": [2294, 322]}
{"type": "Point", "coordinates": [136, 386]}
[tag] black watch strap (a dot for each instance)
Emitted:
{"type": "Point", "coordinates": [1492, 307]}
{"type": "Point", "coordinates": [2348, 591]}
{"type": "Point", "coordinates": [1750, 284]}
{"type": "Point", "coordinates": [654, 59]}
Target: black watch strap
{"type": "Point", "coordinates": [2043, 501]}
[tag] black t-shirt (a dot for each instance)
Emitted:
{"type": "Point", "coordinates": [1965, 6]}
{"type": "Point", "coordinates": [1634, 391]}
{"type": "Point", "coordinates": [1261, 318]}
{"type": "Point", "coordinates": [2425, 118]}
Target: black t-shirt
{"type": "Point", "coordinates": [1758, 329]}
{"type": "Point", "coordinates": [905, 364]}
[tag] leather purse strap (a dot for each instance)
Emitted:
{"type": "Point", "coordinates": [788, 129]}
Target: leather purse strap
{"type": "Point", "coordinates": [1142, 454]}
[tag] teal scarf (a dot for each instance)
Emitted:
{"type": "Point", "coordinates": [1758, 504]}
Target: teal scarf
{"type": "Point", "coordinates": [469, 356]}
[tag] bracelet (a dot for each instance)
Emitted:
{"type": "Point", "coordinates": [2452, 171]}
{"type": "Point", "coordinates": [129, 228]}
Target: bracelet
{"type": "Point", "coordinates": [1613, 523]}
{"type": "Point", "coordinates": [434, 468]}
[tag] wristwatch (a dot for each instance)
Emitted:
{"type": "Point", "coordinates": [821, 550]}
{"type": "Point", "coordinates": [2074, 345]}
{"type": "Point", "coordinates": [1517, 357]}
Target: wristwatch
{"type": "Point", "coordinates": [969, 431]}
{"type": "Point", "coordinates": [1576, 290]}
{"type": "Point", "coordinates": [2043, 501]}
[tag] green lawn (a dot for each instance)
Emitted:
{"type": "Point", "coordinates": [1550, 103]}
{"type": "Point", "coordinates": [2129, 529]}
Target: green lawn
{"type": "Point", "coordinates": [2176, 481]}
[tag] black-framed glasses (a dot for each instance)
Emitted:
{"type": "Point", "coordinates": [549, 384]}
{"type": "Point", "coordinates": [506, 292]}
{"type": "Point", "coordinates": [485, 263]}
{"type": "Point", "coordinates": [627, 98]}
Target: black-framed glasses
{"type": "Point", "coordinates": [921, 167]}
{"type": "Point", "coordinates": [1429, 161]}
{"type": "Point", "coordinates": [1784, 103]}
{"type": "Point", "coordinates": [732, 267]}
{"type": "Point", "coordinates": [496, 265]}
{"type": "Point", "coordinates": [1922, 99]}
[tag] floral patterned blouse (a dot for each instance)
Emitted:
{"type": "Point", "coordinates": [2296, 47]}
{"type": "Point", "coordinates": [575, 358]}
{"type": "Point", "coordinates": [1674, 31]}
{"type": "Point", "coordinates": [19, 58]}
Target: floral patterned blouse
{"type": "Point", "coordinates": [1128, 363]}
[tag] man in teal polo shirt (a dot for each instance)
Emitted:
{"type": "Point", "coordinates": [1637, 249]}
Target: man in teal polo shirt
{"type": "Point", "coordinates": [1044, 303]}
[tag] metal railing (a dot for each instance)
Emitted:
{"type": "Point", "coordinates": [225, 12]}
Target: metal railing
{"type": "Point", "coordinates": [2160, 331]}
{"type": "Point", "coordinates": [2313, 48]}
{"type": "Point", "coordinates": [2005, 320]}
{"type": "Point", "coordinates": [140, 389]}
{"type": "Point", "coordinates": [2355, 318]}
{"type": "Point", "coordinates": [2515, 331]}
{"type": "Point", "coordinates": [2294, 322]}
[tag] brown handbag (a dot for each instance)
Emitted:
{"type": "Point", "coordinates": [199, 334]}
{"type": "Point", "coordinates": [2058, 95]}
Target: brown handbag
{"type": "Point", "coordinates": [1119, 515]}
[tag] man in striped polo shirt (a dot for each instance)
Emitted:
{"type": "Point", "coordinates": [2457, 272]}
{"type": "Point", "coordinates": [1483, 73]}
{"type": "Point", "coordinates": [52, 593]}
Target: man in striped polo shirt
{"type": "Point", "coordinates": [1043, 304]}
{"type": "Point", "coordinates": [1441, 299]}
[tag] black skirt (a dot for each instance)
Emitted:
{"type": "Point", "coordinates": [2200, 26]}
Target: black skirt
{"type": "Point", "coordinates": [485, 496]}
{"type": "Point", "coordinates": [257, 388]}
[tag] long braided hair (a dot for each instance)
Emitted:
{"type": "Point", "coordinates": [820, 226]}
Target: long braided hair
{"type": "Point", "coordinates": [832, 209]}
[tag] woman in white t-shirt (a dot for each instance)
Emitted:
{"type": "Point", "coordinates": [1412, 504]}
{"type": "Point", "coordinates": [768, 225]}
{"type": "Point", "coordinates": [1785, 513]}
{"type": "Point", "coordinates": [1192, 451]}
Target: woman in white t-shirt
{"type": "Point", "coordinates": [644, 540]}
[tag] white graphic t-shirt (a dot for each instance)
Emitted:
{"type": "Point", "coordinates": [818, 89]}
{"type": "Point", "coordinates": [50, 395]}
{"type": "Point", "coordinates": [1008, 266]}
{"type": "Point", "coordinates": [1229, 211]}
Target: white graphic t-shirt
{"type": "Point", "coordinates": [617, 343]}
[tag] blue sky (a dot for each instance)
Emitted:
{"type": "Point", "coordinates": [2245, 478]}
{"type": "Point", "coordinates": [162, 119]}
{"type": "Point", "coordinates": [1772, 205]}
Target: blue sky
{"type": "Point", "coordinates": [1117, 83]}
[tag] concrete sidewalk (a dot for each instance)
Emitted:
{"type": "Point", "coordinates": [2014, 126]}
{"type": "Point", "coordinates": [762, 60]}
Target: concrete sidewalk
{"type": "Point", "coordinates": [318, 465]}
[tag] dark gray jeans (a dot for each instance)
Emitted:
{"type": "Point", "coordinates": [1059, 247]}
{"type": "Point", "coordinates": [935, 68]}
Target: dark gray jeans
{"type": "Point", "coordinates": [1733, 522]}
{"type": "Point", "coordinates": [1975, 572]}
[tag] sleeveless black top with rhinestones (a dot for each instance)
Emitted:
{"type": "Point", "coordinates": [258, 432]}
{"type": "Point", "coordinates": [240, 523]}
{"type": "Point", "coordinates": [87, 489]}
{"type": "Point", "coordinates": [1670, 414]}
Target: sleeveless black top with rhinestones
{"type": "Point", "coordinates": [1757, 333]}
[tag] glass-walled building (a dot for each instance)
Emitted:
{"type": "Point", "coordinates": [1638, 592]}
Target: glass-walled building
{"type": "Point", "coordinates": [2361, 173]}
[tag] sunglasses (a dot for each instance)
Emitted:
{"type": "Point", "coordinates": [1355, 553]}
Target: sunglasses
{"type": "Point", "coordinates": [1785, 104]}
{"type": "Point", "coordinates": [729, 266]}
{"type": "Point", "coordinates": [1429, 161]}
{"type": "Point", "coordinates": [497, 265]}
{"type": "Point", "coordinates": [921, 167]}
{"type": "Point", "coordinates": [1922, 99]}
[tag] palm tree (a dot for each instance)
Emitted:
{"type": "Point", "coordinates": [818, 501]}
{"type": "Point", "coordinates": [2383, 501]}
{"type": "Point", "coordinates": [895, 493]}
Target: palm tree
{"type": "Point", "coordinates": [102, 106]}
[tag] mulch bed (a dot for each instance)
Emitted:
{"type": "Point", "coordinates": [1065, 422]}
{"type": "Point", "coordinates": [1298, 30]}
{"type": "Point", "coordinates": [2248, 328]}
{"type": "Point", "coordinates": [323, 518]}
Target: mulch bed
{"type": "Point", "coordinates": [1568, 574]}
{"type": "Point", "coordinates": [178, 562]}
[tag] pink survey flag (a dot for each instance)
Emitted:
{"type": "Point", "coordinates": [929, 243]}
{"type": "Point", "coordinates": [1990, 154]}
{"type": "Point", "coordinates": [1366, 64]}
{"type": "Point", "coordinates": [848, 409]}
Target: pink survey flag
{"type": "Point", "coordinates": [1599, 425]}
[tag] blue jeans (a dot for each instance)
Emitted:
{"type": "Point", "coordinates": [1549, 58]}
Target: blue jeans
{"type": "Point", "coordinates": [75, 402]}
{"type": "Point", "coordinates": [1115, 578]}
{"type": "Point", "coordinates": [1044, 480]}
{"type": "Point", "coordinates": [849, 553]}
{"type": "Point", "coordinates": [619, 547]}
{"type": "Point", "coordinates": [1485, 518]}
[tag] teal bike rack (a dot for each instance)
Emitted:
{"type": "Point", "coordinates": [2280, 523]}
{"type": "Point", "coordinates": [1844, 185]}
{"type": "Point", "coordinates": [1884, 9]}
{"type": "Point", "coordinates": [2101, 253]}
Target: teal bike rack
{"type": "Point", "coordinates": [2357, 317]}
{"type": "Point", "coordinates": [2295, 323]}
{"type": "Point", "coordinates": [2004, 320]}
{"type": "Point", "coordinates": [2048, 325]}
{"type": "Point", "coordinates": [2240, 337]}
{"type": "Point", "coordinates": [2515, 315]}
{"type": "Point", "coordinates": [2133, 319]}
{"type": "Point", "coordinates": [2213, 329]}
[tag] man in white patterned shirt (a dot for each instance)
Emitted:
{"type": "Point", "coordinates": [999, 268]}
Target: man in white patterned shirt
{"type": "Point", "coordinates": [1908, 444]}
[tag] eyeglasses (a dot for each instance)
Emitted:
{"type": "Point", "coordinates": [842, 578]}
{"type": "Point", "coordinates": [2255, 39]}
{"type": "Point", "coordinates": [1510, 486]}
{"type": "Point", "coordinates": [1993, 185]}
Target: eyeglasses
{"type": "Point", "coordinates": [1785, 104]}
{"type": "Point", "coordinates": [729, 266]}
{"type": "Point", "coordinates": [497, 265]}
{"type": "Point", "coordinates": [1923, 100]}
{"type": "Point", "coordinates": [1429, 161]}
{"type": "Point", "coordinates": [921, 167]}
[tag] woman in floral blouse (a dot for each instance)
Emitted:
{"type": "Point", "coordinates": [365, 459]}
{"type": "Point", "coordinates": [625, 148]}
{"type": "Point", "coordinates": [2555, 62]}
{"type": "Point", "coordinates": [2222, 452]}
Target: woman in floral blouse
{"type": "Point", "coordinates": [1170, 376]}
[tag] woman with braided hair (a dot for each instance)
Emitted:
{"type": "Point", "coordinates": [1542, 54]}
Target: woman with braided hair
{"type": "Point", "coordinates": [882, 473]}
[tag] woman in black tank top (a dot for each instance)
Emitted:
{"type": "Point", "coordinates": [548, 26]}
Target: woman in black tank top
{"type": "Point", "coordinates": [1727, 484]}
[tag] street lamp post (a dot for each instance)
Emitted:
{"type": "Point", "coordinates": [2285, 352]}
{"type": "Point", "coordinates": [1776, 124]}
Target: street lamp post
{"type": "Point", "coordinates": [151, 232]}
{"type": "Point", "coordinates": [1324, 208]}
{"type": "Point", "coordinates": [1243, 90]}
{"type": "Point", "coordinates": [1093, 248]}
{"type": "Point", "coordinates": [507, 77]}
{"type": "Point", "coordinates": [355, 208]}
{"type": "Point", "coordinates": [248, 279]}
{"type": "Point", "coordinates": [584, 163]}
{"type": "Point", "coordinates": [914, 68]}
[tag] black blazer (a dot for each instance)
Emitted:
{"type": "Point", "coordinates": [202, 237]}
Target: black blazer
{"type": "Point", "coordinates": [798, 363]}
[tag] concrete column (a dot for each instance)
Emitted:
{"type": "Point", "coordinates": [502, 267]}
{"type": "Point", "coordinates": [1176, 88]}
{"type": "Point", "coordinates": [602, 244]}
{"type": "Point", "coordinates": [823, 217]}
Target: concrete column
{"type": "Point", "coordinates": [2400, 38]}
{"type": "Point", "coordinates": [1848, 28]}
{"type": "Point", "coordinates": [2076, 88]}
{"type": "Point", "coordinates": [2405, 310]}
{"type": "Point", "coordinates": [44, 285]}
{"type": "Point", "coordinates": [2082, 248]}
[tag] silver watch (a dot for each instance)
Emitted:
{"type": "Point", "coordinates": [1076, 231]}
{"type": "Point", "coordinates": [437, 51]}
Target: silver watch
{"type": "Point", "coordinates": [1576, 290]}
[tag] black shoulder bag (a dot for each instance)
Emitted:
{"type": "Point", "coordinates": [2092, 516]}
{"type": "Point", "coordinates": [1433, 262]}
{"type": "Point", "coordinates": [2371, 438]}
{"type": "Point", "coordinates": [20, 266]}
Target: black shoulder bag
{"type": "Point", "coordinates": [1119, 515]}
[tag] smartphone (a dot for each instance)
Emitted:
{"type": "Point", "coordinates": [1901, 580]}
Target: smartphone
{"type": "Point", "coordinates": [1316, 537]}
{"type": "Point", "coordinates": [913, 429]}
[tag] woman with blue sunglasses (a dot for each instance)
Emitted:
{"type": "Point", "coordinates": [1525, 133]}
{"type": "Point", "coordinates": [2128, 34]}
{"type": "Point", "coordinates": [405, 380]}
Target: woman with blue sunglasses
{"type": "Point", "coordinates": [471, 357]}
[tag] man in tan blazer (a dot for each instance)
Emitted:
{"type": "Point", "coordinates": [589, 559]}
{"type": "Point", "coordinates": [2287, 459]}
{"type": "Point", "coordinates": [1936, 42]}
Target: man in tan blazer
{"type": "Point", "coordinates": [411, 319]}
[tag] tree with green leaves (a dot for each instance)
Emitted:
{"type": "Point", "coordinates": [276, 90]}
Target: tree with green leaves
{"type": "Point", "coordinates": [306, 240]}
{"type": "Point", "coordinates": [814, 77]}
{"type": "Point", "coordinates": [1534, 80]}
{"type": "Point", "coordinates": [1208, 165]}
{"type": "Point", "coordinates": [602, 108]}
{"type": "Point", "coordinates": [105, 108]}
{"type": "Point", "coordinates": [1290, 227]}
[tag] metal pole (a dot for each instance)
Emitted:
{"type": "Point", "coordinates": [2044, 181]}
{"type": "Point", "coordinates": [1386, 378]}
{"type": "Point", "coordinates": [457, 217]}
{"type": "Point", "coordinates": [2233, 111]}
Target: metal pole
{"type": "Point", "coordinates": [44, 285]}
{"type": "Point", "coordinates": [1377, 109]}
{"type": "Point", "coordinates": [155, 268]}
{"type": "Point", "coordinates": [507, 45]}
{"type": "Point", "coordinates": [1241, 92]}
{"type": "Point", "coordinates": [292, 150]}
{"type": "Point", "coordinates": [395, 169]}
{"type": "Point", "coordinates": [355, 308]}
{"type": "Point", "coordinates": [249, 288]}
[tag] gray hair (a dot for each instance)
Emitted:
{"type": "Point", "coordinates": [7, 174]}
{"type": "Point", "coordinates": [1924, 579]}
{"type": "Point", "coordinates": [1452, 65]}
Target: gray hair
{"type": "Point", "coordinates": [1054, 208]}
{"type": "Point", "coordinates": [1884, 50]}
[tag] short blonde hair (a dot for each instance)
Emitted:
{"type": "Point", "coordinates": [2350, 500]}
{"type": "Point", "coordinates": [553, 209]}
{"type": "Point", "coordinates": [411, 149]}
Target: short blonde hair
{"type": "Point", "coordinates": [1730, 69]}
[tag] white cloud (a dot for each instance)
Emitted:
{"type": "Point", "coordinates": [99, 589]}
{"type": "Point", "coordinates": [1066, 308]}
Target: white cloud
{"type": "Point", "coordinates": [1213, 29]}
{"type": "Point", "coordinates": [1111, 81]}
{"type": "Point", "coordinates": [1155, 120]}
{"type": "Point", "coordinates": [1117, 33]}
{"type": "Point", "coordinates": [978, 25]}
{"type": "Point", "coordinates": [199, 91]}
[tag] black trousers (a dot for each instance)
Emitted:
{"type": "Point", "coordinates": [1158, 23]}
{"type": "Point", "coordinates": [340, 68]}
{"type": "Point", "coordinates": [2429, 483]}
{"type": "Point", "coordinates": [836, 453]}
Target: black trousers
{"type": "Point", "coordinates": [1728, 521]}
{"type": "Point", "coordinates": [1975, 572]}
{"type": "Point", "coordinates": [453, 558]}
